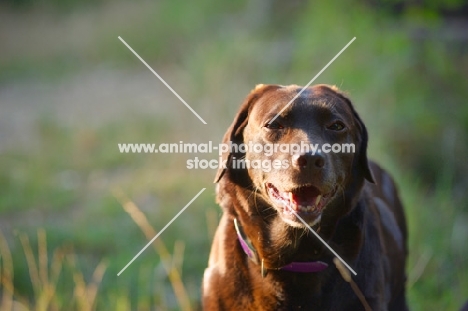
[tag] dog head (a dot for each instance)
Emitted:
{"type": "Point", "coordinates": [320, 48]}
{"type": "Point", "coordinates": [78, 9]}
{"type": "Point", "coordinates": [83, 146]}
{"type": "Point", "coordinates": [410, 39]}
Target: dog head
{"type": "Point", "coordinates": [306, 157]}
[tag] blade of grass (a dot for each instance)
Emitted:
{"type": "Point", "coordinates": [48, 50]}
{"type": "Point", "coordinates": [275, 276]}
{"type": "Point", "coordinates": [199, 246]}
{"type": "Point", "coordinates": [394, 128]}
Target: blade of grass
{"type": "Point", "coordinates": [47, 289]}
{"type": "Point", "coordinates": [6, 274]}
{"type": "Point", "coordinates": [33, 270]}
{"type": "Point", "coordinates": [79, 291]}
{"type": "Point", "coordinates": [93, 288]}
{"type": "Point", "coordinates": [55, 270]}
{"type": "Point", "coordinates": [42, 256]}
{"type": "Point", "coordinates": [84, 294]}
{"type": "Point", "coordinates": [178, 256]}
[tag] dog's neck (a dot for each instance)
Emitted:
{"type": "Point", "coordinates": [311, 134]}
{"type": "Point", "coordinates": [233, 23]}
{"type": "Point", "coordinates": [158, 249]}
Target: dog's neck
{"type": "Point", "coordinates": [249, 250]}
{"type": "Point", "coordinates": [277, 244]}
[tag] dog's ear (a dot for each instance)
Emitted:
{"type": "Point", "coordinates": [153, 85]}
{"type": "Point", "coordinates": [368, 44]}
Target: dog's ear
{"type": "Point", "coordinates": [362, 161]}
{"type": "Point", "coordinates": [235, 133]}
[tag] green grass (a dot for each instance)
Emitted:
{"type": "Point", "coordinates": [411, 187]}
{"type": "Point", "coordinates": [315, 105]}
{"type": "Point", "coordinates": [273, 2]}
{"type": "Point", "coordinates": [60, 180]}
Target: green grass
{"type": "Point", "coordinates": [410, 92]}
{"type": "Point", "coordinates": [70, 182]}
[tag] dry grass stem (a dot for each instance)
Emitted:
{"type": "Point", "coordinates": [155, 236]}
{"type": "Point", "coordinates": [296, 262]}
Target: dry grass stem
{"type": "Point", "coordinates": [174, 275]}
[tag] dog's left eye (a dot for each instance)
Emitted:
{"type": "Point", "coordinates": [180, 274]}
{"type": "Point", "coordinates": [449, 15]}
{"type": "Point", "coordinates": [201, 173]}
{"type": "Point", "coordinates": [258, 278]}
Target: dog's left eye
{"type": "Point", "coordinates": [275, 125]}
{"type": "Point", "coordinates": [337, 126]}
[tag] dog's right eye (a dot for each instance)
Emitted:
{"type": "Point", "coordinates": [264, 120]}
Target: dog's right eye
{"type": "Point", "coordinates": [275, 125]}
{"type": "Point", "coordinates": [337, 126]}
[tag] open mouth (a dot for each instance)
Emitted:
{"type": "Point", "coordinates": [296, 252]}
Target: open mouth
{"type": "Point", "coordinates": [306, 201]}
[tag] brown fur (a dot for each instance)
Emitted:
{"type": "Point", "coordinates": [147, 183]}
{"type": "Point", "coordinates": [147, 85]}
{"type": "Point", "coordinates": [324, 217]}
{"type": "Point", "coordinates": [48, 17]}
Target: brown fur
{"type": "Point", "coordinates": [363, 220]}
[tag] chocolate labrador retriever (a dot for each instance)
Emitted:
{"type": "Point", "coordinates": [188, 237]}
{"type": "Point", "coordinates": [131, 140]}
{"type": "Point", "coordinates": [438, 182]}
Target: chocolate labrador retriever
{"type": "Point", "coordinates": [263, 256]}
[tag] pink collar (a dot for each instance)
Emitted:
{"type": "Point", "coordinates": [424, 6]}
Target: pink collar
{"type": "Point", "coordinates": [305, 267]}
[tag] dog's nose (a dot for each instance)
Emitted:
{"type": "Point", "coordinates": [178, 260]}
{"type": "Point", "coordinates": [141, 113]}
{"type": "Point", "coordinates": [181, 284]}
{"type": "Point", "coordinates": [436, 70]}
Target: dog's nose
{"type": "Point", "coordinates": [302, 160]}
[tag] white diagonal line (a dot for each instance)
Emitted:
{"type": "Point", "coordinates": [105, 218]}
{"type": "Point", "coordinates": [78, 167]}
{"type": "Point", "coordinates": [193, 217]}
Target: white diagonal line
{"type": "Point", "coordinates": [162, 230]}
{"type": "Point", "coordinates": [324, 243]}
{"type": "Point", "coordinates": [162, 80]}
{"type": "Point", "coordinates": [313, 79]}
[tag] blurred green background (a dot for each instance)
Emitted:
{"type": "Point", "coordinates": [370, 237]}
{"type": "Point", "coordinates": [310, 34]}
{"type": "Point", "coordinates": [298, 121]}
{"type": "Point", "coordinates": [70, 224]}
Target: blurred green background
{"type": "Point", "coordinates": [72, 206]}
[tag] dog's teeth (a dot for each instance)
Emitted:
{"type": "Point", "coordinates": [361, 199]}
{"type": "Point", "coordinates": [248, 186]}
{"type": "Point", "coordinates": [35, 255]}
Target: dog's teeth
{"type": "Point", "coordinates": [317, 201]}
{"type": "Point", "coordinates": [309, 207]}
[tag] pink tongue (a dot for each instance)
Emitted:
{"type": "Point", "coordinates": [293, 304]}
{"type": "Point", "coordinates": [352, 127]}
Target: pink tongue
{"type": "Point", "coordinates": [305, 196]}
